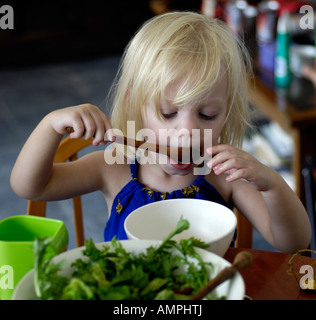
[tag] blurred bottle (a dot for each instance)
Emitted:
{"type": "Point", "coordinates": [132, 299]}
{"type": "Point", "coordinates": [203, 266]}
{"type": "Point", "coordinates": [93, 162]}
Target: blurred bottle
{"type": "Point", "coordinates": [266, 34]}
{"type": "Point", "coordinates": [250, 14]}
{"type": "Point", "coordinates": [266, 21]}
{"type": "Point", "coordinates": [208, 8]}
{"type": "Point", "coordinates": [282, 70]}
{"type": "Point", "coordinates": [234, 15]}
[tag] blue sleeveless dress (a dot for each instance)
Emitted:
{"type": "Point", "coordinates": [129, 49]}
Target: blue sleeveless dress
{"type": "Point", "coordinates": [135, 194]}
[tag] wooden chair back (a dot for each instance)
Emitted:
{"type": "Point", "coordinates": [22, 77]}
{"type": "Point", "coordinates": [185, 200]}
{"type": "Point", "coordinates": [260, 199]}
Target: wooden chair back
{"type": "Point", "coordinates": [67, 151]}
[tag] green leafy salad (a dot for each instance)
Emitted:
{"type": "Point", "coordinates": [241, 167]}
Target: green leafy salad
{"type": "Point", "coordinates": [172, 270]}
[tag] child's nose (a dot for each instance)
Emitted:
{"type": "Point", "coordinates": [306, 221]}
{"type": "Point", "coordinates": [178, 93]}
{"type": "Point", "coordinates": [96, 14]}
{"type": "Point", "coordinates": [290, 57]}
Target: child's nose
{"type": "Point", "coordinates": [185, 130]}
{"type": "Point", "coordinates": [187, 123]}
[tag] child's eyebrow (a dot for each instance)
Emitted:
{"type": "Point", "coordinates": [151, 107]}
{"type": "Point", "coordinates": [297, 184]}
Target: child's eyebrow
{"type": "Point", "coordinates": [215, 104]}
{"type": "Point", "coordinates": [213, 100]}
{"type": "Point", "coordinates": [167, 103]}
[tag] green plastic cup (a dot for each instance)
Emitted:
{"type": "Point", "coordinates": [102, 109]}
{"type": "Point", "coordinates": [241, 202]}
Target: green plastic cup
{"type": "Point", "coordinates": [17, 234]}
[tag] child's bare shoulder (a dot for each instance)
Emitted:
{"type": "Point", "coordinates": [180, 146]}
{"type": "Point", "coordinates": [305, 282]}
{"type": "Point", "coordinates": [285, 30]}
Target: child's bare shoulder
{"type": "Point", "coordinates": [116, 170]}
{"type": "Point", "coordinates": [108, 169]}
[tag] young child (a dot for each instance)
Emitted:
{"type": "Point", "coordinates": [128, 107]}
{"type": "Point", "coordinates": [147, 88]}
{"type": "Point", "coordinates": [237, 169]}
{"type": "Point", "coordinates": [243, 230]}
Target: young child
{"type": "Point", "coordinates": [181, 72]}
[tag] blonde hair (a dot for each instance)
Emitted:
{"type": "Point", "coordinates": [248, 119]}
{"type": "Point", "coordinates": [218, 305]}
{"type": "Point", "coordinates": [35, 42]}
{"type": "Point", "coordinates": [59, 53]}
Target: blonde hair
{"type": "Point", "coordinates": [189, 46]}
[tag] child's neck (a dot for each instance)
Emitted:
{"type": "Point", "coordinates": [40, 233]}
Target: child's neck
{"type": "Point", "coordinates": [152, 176]}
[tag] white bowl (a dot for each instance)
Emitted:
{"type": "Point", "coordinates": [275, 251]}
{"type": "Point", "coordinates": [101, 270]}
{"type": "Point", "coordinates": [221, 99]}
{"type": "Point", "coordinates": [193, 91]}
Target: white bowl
{"type": "Point", "coordinates": [233, 289]}
{"type": "Point", "coordinates": [209, 221]}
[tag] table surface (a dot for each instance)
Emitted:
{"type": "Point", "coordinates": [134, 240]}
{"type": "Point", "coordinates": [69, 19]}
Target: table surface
{"type": "Point", "coordinates": [268, 279]}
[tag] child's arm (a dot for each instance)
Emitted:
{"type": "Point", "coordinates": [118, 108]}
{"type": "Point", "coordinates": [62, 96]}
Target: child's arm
{"type": "Point", "coordinates": [264, 198]}
{"type": "Point", "coordinates": [36, 177]}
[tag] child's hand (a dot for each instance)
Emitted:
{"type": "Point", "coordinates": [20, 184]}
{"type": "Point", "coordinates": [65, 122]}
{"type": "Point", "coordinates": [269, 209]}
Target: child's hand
{"type": "Point", "coordinates": [86, 121]}
{"type": "Point", "coordinates": [309, 73]}
{"type": "Point", "coordinates": [238, 164]}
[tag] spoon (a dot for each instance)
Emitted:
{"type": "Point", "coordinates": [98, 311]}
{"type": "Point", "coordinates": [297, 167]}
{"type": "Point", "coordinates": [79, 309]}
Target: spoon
{"type": "Point", "coordinates": [243, 259]}
{"type": "Point", "coordinates": [180, 153]}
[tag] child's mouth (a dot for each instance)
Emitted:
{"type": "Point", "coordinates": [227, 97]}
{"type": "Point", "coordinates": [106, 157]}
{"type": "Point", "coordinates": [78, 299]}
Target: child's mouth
{"type": "Point", "coordinates": [179, 165]}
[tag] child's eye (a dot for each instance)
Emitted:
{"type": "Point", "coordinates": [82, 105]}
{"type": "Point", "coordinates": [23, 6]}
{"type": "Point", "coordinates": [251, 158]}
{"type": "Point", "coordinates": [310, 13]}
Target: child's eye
{"type": "Point", "coordinates": [169, 115]}
{"type": "Point", "coordinates": [207, 117]}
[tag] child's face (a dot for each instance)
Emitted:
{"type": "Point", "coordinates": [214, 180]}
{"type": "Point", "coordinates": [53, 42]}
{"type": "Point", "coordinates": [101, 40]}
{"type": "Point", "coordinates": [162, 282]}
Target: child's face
{"type": "Point", "coordinates": [208, 113]}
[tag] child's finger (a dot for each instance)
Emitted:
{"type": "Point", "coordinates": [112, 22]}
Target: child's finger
{"type": "Point", "coordinates": [77, 129]}
{"type": "Point", "coordinates": [90, 127]}
{"type": "Point", "coordinates": [218, 148]}
{"type": "Point", "coordinates": [100, 129]}
{"type": "Point", "coordinates": [234, 175]}
{"type": "Point", "coordinates": [110, 135]}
